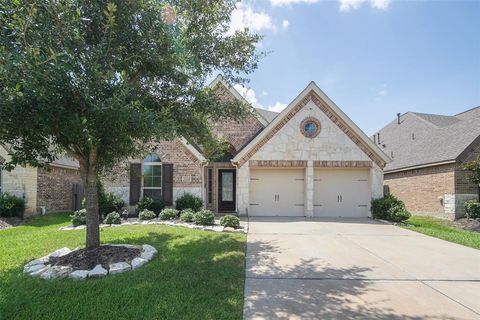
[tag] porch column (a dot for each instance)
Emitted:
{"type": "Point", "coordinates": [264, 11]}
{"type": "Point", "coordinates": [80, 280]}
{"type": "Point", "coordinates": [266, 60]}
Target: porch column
{"type": "Point", "coordinates": [309, 181]}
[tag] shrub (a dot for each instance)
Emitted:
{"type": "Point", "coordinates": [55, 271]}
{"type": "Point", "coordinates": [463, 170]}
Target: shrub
{"type": "Point", "coordinates": [168, 214]}
{"type": "Point", "coordinates": [146, 215]}
{"type": "Point", "coordinates": [188, 201]}
{"type": "Point", "coordinates": [380, 207]}
{"type": "Point", "coordinates": [472, 209]}
{"type": "Point", "coordinates": [187, 215]}
{"type": "Point", "coordinates": [230, 221]}
{"type": "Point", "coordinates": [204, 217]}
{"type": "Point", "coordinates": [113, 218]}
{"type": "Point", "coordinates": [11, 206]}
{"type": "Point", "coordinates": [147, 203]}
{"type": "Point", "coordinates": [79, 217]}
{"type": "Point", "coordinates": [399, 215]}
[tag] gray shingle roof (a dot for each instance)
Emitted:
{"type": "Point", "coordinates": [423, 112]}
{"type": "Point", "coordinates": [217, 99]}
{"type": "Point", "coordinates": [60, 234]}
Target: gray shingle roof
{"type": "Point", "coordinates": [268, 115]}
{"type": "Point", "coordinates": [428, 138]}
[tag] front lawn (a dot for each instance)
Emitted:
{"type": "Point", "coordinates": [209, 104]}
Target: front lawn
{"type": "Point", "coordinates": [196, 275]}
{"type": "Point", "coordinates": [439, 228]}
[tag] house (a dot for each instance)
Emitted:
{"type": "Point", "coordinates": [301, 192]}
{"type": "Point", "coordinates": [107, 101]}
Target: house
{"type": "Point", "coordinates": [428, 153]}
{"type": "Point", "coordinates": [54, 188]}
{"type": "Point", "coordinates": [309, 160]}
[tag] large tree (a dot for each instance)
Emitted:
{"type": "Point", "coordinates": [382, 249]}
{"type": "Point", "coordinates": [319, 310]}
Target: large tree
{"type": "Point", "coordinates": [100, 80]}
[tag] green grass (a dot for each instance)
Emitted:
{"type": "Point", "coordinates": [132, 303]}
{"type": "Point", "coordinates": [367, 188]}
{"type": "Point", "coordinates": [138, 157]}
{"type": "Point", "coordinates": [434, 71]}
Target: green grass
{"type": "Point", "coordinates": [196, 275]}
{"type": "Point", "coordinates": [439, 229]}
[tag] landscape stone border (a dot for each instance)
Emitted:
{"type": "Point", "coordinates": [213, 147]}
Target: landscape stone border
{"type": "Point", "coordinates": [172, 223]}
{"type": "Point", "coordinates": [41, 268]}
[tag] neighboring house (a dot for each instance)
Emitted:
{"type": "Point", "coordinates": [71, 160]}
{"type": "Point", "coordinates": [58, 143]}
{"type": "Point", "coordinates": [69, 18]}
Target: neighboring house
{"type": "Point", "coordinates": [428, 153]}
{"type": "Point", "coordinates": [56, 188]}
{"type": "Point", "coordinates": [309, 160]}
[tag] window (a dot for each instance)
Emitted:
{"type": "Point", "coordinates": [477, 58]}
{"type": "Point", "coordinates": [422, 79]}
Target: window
{"type": "Point", "coordinates": [310, 127]}
{"type": "Point", "coordinates": [152, 176]}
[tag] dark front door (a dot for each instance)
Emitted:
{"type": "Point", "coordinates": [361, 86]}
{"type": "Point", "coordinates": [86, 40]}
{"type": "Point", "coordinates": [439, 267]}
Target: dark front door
{"type": "Point", "coordinates": [226, 190]}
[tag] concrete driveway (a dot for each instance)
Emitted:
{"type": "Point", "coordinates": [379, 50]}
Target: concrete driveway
{"type": "Point", "coordinates": [356, 269]}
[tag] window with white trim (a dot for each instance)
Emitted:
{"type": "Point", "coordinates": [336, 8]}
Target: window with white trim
{"type": "Point", "coordinates": [152, 176]}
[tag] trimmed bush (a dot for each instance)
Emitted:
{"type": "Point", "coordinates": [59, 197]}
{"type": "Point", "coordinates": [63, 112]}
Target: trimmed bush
{"type": "Point", "coordinates": [399, 215]}
{"type": "Point", "coordinates": [230, 221]}
{"type": "Point", "coordinates": [147, 203]}
{"type": "Point", "coordinates": [146, 215]}
{"type": "Point", "coordinates": [79, 217]}
{"type": "Point", "coordinates": [380, 207]}
{"type": "Point", "coordinates": [113, 218]}
{"type": "Point", "coordinates": [188, 201]}
{"type": "Point", "coordinates": [168, 214]}
{"type": "Point", "coordinates": [187, 215]}
{"type": "Point", "coordinates": [204, 217]}
{"type": "Point", "coordinates": [472, 209]}
{"type": "Point", "coordinates": [11, 206]}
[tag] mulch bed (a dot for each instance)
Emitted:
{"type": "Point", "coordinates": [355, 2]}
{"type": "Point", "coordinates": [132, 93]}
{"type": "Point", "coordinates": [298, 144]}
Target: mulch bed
{"type": "Point", "coordinates": [9, 222]}
{"type": "Point", "coordinates": [466, 224]}
{"type": "Point", "coordinates": [87, 259]}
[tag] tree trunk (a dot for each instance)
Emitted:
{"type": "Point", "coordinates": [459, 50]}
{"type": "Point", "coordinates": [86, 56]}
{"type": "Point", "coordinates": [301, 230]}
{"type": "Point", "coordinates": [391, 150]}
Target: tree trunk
{"type": "Point", "coordinates": [88, 170]}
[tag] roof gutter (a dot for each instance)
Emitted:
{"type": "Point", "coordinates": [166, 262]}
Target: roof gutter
{"type": "Point", "coordinates": [433, 164]}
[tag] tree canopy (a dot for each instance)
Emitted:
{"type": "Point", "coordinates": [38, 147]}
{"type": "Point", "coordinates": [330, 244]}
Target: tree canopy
{"type": "Point", "coordinates": [100, 80]}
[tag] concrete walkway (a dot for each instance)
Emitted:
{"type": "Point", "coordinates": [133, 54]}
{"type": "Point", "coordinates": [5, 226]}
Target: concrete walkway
{"type": "Point", "coordinates": [356, 269]}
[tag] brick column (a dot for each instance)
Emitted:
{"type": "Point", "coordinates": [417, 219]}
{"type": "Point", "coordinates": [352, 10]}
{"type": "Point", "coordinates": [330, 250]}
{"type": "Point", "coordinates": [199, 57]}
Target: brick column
{"type": "Point", "coordinates": [309, 189]}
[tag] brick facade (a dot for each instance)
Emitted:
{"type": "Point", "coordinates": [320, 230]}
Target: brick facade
{"type": "Point", "coordinates": [55, 188]}
{"type": "Point", "coordinates": [423, 190]}
{"type": "Point", "coordinates": [186, 169]}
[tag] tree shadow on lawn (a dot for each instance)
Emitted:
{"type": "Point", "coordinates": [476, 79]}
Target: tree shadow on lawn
{"type": "Point", "coordinates": [307, 291]}
{"type": "Point", "coordinates": [196, 275]}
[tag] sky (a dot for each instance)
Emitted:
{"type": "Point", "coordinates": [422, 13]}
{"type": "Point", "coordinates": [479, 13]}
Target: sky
{"type": "Point", "coordinates": [373, 58]}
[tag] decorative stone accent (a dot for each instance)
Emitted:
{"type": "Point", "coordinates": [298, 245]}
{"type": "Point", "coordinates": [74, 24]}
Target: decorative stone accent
{"type": "Point", "coordinates": [79, 274]}
{"type": "Point", "coordinates": [119, 267]}
{"type": "Point", "coordinates": [97, 272]}
{"type": "Point", "coordinates": [41, 267]}
{"type": "Point", "coordinates": [342, 164]}
{"type": "Point", "coordinates": [277, 163]}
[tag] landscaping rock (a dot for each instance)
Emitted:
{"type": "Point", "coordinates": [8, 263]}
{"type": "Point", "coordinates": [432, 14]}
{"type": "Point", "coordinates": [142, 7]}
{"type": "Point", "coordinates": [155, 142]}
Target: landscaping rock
{"type": "Point", "coordinates": [217, 228]}
{"type": "Point", "coordinates": [80, 227]}
{"type": "Point", "coordinates": [60, 252]}
{"type": "Point", "coordinates": [56, 272]}
{"type": "Point", "coordinates": [79, 274]}
{"type": "Point", "coordinates": [228, 229]}
{"type": "Point", "coordinates": [39, 272]}
{"type": "Point", "coordinates": [138, 262]}
{"type": "Point", "coordinates": [32, 268]}
{"type": "Point", "coordinates": [119, 267]}
{"type": "Point", "coordinates": [97, 272]}
{"type": "Point", "coordinates": [42, 260]}
{"type": "Point", "coordinates": [147, 255]}
{"type": "Point", "coordinates": [149, 248]}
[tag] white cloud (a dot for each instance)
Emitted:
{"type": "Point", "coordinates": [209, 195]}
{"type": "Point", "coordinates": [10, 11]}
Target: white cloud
{"type": "Point", "coordinates": [347, 5]}
{"type": "Point", "coordinates": [251, 97]}
{"type": "Point", "coordinates": [280, 3]}
{"type": "Point", "coordinates": [245, 17]}
{"type": "Point", "coordinates": [285, 24]}
{"type": "Point", "coordinates": [248, 94]}
{"type": "Point", "coordinates": [277, 107]}
{"type": "Point", "coordinates": [383, 90]}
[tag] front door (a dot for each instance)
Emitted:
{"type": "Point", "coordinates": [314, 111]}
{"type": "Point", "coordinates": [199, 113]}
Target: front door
{"type": "Point", "coordinates": [226, 190]}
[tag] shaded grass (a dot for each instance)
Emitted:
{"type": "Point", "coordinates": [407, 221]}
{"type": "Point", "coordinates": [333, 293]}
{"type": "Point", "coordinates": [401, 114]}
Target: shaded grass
{"type": "Point", "coordinates": [196, 275]}
{"type": "Point", "coordinates": [439, 229]}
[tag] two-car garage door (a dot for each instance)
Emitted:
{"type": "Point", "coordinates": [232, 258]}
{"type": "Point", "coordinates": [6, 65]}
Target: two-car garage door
{"type": "Point", "coordinates": [337, 192]}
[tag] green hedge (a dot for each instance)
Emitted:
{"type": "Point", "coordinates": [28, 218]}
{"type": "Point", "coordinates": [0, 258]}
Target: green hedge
{"type": "Point", "coordinates": [389, 208]}
{"type": "Point", "coordinates": [11, 206]}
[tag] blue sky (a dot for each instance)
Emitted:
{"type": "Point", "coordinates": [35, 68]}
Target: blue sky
{"type": "Point", "coordinates": [374, 58]}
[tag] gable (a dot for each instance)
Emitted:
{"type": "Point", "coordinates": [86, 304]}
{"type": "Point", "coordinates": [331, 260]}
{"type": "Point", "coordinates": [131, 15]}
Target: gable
{"type": "Point", "coordinates": [338, 139]}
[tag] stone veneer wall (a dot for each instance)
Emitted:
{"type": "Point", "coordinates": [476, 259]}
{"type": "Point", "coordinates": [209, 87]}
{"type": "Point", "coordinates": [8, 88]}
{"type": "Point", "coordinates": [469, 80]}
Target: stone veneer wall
{"type": "Point", "coordinates": [22, 182]}
{"type": "Point", "coordinates": [187, 175]}
{"type": "Point", "coordinates": [55, 188]}
{"type": "Point", "coordinates": [425, 191]}
{"type": "Point", "coordinates": [332, 144]}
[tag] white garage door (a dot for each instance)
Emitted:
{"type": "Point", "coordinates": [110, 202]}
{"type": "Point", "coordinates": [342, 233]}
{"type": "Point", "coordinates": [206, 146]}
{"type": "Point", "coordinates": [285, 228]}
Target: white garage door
{"type": "Point", "coordinates": [341, 193]}
{"type": "Point", "coordinates": [277, 192]}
